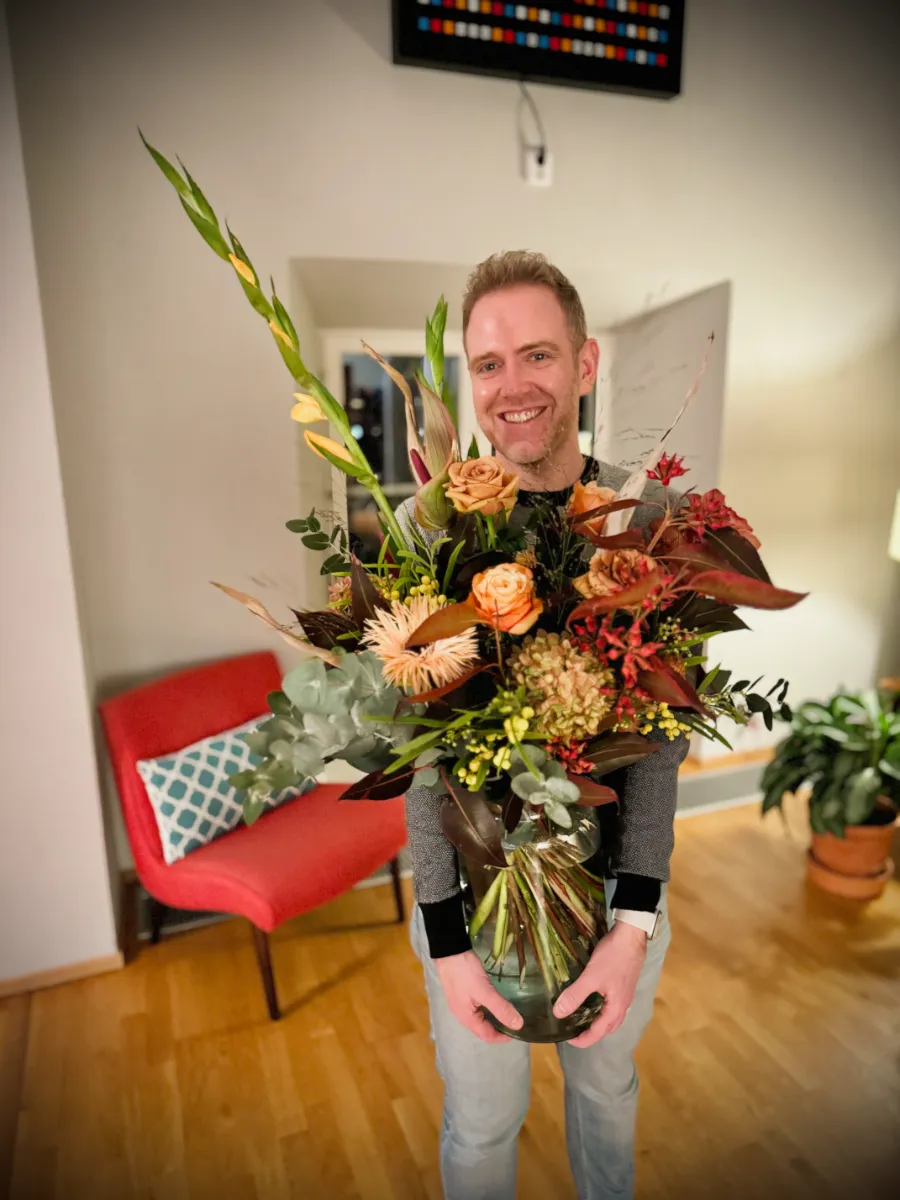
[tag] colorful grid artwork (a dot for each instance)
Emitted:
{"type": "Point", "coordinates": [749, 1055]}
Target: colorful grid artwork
{"type": "Point", "coordinates": [626, 45]}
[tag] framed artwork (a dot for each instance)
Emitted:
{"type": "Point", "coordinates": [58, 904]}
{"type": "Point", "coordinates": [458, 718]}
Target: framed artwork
{"type": "Point", "coordinates": [623, 45]}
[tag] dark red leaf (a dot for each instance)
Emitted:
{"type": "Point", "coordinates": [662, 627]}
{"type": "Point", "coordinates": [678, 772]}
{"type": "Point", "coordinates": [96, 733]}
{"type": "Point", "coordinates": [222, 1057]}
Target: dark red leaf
{"type": "Point", "coordinates": [732, 588]}
{"type": "Point", "coordinates": [740, 554]}
{"type": "Point", "coordinates": [512, 811]}
{"type": "Point", "coordinates": [469, 825]}
{"type": "Point", "coordinates": [689, 554]}
{"type": "Point", "coordinates": [593, 795]}
{"type": "Point", "coordinates": [446, 622]}
{"type": "Point", "coordinates": [378, 786]}
{"type": "Point", "coordinates": [618, 750]}
{"type": "Point", "coordinates": [631, 539]}
{"type": "Point", "coordinates": [324, 628]}
{"type": "Point", "coordinates": [664, 684]}
{"type": "Point", "coordinates": [447, 688]}
{"type": "Point", "coordinates": [626, 598]}
{"type": "Point", "coordinates": [365, 600]}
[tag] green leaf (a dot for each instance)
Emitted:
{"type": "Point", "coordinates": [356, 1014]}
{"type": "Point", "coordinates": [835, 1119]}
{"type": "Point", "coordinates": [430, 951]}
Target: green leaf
{"type": "Point", "coordinates": [180, 185]}
{"type": "Point", "coordinates": [241, 780]}
{"type": "Point", "coordinates": [209, 232]}
{"type": "Point", "coordinates": [316, 541]}
{"type": "Point", "coordinates": [202, 204]}
{"type": "Point", "coordinates": [283, 317]}
{"type": "Point", "coordinates": [253, 809]}
{"type": "Point", "coordinates": [279, 704]}
{"type": "Point", "coordinates": [473, 452]}
{"type": "Point", "coordinates": [861, 796]}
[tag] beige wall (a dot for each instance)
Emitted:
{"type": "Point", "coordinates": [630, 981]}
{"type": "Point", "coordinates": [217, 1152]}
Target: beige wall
{"type": "Point", "coordinates": [772, 171]}
{"type": "Point", "coordinates": [54, 878]}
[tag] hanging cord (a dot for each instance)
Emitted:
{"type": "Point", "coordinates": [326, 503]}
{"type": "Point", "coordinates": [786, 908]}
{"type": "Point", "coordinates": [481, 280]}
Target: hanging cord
{"type": "Point", "coordinates": [527, 100]}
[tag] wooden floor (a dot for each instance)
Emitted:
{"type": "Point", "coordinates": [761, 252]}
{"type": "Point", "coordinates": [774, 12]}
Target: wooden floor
{"type": "Point", "coordinates": [771, 1070]}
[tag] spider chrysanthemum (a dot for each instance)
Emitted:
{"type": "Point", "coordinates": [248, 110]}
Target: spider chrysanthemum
{"type": "Point", "coordinates": [418, 669]}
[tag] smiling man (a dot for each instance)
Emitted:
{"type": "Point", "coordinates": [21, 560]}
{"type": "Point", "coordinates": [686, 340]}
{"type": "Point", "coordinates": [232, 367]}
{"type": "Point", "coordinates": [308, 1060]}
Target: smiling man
{"type": "Point", "coordinates": [530, 361]}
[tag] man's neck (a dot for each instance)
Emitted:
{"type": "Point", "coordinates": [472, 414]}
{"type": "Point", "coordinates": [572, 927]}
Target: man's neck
{"type": "Point", "coordinates": [551, 474]}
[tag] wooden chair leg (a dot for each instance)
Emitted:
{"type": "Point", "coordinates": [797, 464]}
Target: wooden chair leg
{"type": "Point", "coordinates": [264, 958]}
{"type": "Point", "coordinates": [157, 912]}
{"type": "Point", "coordinates": [398, 890]}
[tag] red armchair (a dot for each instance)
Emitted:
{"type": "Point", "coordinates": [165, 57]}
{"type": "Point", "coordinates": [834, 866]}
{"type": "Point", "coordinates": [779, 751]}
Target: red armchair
{"type": "Point", "coordinates": [292, 859]}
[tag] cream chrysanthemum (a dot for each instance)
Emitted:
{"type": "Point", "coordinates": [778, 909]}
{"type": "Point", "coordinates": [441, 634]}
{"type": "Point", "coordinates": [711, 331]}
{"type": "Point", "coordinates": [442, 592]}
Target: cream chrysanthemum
{"type": "Point", "coordinates": [430, 666]}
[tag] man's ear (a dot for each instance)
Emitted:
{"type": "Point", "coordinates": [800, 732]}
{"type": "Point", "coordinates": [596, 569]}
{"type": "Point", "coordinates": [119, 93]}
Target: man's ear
{"type": "Point", "coordinates": [588, 364]}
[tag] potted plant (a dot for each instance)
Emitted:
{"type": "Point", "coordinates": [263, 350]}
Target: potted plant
{"type": "Point", "coordinates": [847, 751]}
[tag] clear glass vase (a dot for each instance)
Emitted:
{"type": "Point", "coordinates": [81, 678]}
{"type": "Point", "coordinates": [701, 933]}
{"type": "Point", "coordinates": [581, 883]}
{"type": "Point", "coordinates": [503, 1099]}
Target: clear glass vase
{"type": "Point", "coordinates": [535, 924]}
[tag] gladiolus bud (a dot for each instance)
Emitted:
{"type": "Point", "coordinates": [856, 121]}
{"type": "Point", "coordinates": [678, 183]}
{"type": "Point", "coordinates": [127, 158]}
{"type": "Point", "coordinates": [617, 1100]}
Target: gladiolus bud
{"type": "Point", "coordinates": [306, 409]}
{"type": "Point", "coordinates": [279, 333]}
{"type": "Point", "coordinates": [317, 443]}
{"type": "Point", "coordinates": [242, 269]}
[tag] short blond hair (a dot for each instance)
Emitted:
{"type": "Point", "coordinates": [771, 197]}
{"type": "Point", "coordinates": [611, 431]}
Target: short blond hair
{"type": "Point", "coordinates": [515, 267]}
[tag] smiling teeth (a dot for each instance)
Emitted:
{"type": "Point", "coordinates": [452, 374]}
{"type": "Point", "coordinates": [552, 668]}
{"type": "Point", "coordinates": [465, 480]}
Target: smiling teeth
{"type": "Point", "coordinates": [520, 417]}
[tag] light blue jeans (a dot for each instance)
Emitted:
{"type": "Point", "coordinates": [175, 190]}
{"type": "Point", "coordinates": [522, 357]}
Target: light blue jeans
{"type": "Point", "coordinates": [487, 1090]}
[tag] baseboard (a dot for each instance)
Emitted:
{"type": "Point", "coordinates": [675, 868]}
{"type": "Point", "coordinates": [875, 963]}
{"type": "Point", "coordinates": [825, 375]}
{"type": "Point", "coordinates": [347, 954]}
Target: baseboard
{"type": "Point", "coordinates": [58, 975]}
{"type": "Point", "coordinates": [697, 810]}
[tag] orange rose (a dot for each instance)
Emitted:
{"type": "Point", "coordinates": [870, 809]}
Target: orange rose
{"type": "Point", "coordinates": [584, 498]}
{"type": "Point", "coordinates": [612, 570]}
{"type": "Point", "coordinates": [481, 485]}
{"type": "Point", "coordinates": [504, 596]}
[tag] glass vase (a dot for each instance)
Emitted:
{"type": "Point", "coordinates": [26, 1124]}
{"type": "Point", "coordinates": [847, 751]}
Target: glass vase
{"type": "Point", "coordinates": [535, 924]}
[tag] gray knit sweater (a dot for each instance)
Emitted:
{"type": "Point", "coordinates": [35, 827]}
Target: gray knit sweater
{"type": "Point", "coordinates": [647, 792]}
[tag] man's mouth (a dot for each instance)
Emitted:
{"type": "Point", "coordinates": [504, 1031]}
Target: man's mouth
{"type": "Point", "coordinates": [522, 416]}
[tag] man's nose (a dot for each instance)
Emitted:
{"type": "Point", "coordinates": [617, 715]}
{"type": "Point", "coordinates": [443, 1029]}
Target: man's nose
{"type": "Point", "coordinates": [514, 381]}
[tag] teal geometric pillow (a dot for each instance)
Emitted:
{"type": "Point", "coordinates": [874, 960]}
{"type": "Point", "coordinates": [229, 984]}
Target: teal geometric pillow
{"type": "Point", "coordinates": [189, 790]}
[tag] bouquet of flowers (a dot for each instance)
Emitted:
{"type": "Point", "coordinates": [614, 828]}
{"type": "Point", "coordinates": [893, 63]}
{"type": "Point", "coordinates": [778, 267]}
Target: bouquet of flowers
{"type": "Point", "coordinates": [509, 656]}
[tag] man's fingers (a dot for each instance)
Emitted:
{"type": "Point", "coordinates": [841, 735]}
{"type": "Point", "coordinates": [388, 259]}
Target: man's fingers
{"type": "Point", "coordinates": [573, 997]}
{"type": "Point", "coordinates": [488, 997]}
{"type": "Point", "coordinates": [478, 1024]}
{"type": "Point", "coordinates": [608, 1022]}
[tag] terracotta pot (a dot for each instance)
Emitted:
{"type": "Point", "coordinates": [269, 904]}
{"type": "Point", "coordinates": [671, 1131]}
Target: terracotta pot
{"type": "Point", "coordinates": [857, 865]}
{"type": "Point", "coordinates": [851, 887]}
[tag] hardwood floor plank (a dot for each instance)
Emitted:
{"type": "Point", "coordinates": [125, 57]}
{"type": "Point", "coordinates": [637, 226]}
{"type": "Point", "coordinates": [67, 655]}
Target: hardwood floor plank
{"type": "Point", "coordinates": [770, 1070]}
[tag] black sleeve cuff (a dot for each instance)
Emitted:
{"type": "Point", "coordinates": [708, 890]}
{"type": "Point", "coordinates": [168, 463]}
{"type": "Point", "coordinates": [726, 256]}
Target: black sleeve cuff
{"type": "Point", "coordinates": [445, 927]}
{"type": "Point", "coordinates": [638, 892]}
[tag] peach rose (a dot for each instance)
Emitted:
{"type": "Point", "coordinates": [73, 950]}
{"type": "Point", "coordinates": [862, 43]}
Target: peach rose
{"type": "Point", "coordinates": [612, 570]}
{"type": "Point", "coordinates": [504, 596]}
{"type": "Point", "coordinates": [481, 485]}
{"type": "Point", "coordinates": [584, 498]}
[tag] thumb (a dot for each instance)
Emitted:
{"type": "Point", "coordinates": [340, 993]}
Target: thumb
{"type": "Point", "coordinates": [488, 997]}
{"type": "Point", "coordinates": [573, 997]}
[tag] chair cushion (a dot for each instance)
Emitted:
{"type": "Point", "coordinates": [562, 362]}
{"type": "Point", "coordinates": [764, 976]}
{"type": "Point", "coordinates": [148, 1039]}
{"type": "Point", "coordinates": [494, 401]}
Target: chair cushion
{"type": "Point", "coordinates": [291, 860]}
{"type": "Point", "coordinates": [192, 800]}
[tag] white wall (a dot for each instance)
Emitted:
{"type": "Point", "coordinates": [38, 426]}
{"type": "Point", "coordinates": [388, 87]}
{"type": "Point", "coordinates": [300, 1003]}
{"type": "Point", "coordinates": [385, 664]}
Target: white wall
{"type": "Point", "coordinates": [772, 171]}
{"type": "Point", "coordinates": [54, 878]}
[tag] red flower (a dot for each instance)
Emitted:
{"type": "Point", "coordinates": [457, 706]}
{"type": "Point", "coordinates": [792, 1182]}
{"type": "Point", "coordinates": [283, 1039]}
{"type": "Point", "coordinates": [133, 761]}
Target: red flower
{"type": "Point", "coordinates": [570, 756]}
{"type": "Point", "coordinates": [710, 511]}
{"type": "Point", "coordinates": [668, 468]}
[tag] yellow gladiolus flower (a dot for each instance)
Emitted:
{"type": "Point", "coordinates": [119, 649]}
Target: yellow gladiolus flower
{"type": "Point", "coordinates": [279, 333]}
{"type": "Point", "coordinates": [242, 269]}
{"type": "Point", "coordinates": [306, 409]}
{"type": "Point", "coordinates": [317, 442]}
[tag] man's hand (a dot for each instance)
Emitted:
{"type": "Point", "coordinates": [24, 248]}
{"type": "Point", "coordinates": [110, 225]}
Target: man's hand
{"type": "Point", "coordinates": [468, 988]}
{"type": "Point", "coordinates": [613, 971]}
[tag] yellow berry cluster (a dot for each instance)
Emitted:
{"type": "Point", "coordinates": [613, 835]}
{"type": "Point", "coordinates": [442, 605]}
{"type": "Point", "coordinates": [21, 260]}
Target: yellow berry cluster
{"type": "Point", "coordinates": [662, 717]}
{"type": "Point", "coordinates": [484, 754]}
{"type": "Point", "coordinates": [427, 586]}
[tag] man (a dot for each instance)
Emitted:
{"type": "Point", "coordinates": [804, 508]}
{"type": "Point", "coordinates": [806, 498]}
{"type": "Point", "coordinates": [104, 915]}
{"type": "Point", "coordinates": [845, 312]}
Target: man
{"type": "Point", "coordinates": [530, 361]}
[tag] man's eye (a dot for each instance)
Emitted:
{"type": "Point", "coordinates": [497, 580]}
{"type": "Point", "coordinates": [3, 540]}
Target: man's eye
{"type": "Point", "coordinates": [539, 355]}
{"type": "Point", "coordinates": [485, 367]}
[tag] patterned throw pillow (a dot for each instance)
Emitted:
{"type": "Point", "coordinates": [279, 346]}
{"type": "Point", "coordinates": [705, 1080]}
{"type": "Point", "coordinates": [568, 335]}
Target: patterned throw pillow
{"type": "Point", "coordinates": [189, 790]}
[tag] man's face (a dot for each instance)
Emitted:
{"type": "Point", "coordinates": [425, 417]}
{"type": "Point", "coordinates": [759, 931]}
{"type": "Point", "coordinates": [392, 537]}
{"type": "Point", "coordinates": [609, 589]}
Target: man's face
{"type": "Point", "coordinates": [526, 374]}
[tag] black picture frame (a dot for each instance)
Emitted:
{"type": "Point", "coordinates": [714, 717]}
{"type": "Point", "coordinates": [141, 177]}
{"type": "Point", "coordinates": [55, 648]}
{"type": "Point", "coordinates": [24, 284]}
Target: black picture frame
{"type": "Point", "coordinates": [416, 48]}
